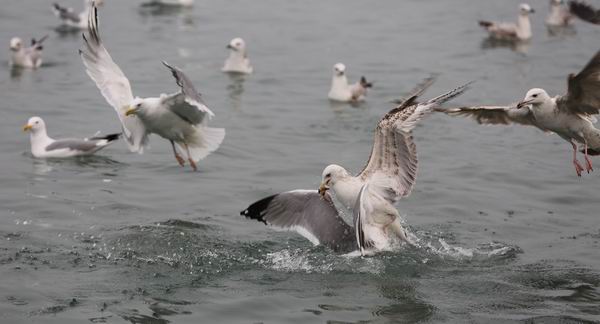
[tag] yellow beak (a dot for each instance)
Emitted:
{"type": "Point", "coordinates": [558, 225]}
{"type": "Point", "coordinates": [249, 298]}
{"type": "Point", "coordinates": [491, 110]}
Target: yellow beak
{"type": "Point", "coordinates": [27, 127]}
{"type": "Point", "coordinates": [130, 111]}
{"type": "Point", "coordinates": [323, 189]}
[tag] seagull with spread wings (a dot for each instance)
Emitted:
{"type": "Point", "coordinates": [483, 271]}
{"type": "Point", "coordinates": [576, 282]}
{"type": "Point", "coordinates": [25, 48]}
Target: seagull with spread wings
{"type": "Point", "coordinates": [388, 176]}
{"type": "Point", "coordinates": [180, 117]}
{"type": "Point", "coordinates": [570, 116]}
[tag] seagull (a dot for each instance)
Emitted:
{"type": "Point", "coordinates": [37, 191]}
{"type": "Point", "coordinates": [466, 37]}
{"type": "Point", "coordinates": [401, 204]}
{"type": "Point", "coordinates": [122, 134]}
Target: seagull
{"type": "Point", "coordinates": [71, 19]}
{"type": "Point", "coordinates": [585, 11]}
{"type": "Point", "coordinates": [42, 146]}
{"type": "Point", "coordinates": [521, 31]}
{"type": "Point", "coordinates": [388, 176]}
{"type": "Point", "coordinates": [560, 15]}
{"type": "Point", "coordinates": [238, 61]}
{"type": "Point", "coordinates": [570, 116]}
{"type": "Point", "coordinates": [344, 92]}
{"type": "Point", "coordinates": [28, 57]}
{"type": "Point", "coordinates": [180, 117]}
{"type": "Point", "coordinates": [168, 3]}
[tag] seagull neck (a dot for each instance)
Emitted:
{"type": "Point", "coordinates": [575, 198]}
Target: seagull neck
{"type": "Point", "coordinates": [523, 27]}
{"type": "Point", "coordinates": [39, 138]}
{"type": "Point", "coordinates": [237, 56]}
{"type": "Point", "coordinates": [346, 190]}
{"type": "Point", "coordinates": [339, 81]}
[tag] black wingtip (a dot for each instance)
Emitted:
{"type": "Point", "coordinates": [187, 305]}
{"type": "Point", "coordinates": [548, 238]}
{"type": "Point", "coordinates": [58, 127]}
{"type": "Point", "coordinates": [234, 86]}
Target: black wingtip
{"type": "Point", "coordinates": [109, 137]}
{"type": "Point", "coordinates": [257, 210]}
{"type": "Point", "coordinates": [365, 83]}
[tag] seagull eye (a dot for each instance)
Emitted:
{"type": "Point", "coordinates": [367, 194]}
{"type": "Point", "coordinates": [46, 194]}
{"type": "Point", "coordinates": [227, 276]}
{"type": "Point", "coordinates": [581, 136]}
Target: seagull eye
{"type": "Point", "coordinates": [138, 105]}
{"type": "Point", "coordinates": [535, 95]}
{"type": "Point", "coordinates": [328, 175]}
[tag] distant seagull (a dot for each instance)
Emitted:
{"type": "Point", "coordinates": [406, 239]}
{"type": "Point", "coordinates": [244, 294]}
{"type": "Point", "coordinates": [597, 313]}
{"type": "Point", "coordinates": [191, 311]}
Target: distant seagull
{"type": "Point", "coordinates": [27, 57]}
{"type": "Point", "coordinates": [520, 31]}
{"type": "Point", "coordinates": [180, 117]}
{"type": "Point", "coordinates": [43, 146]}
{"type": "Point", "coordinates": [168, 3]}
{"type": "Point", "coordinates": [560, 15]}
{"type": "Point", "coordinates": [344, 92]}
{"type": "Point", "coordinates": [238, 61]}
{"type": "Point", "coordinates": [71, 19]}
{"type": "Point", "coordinates": [388, 176]}
{"type": "Point", "coordinates": [585, 11]}
{"type": "Point", "coordinates": [570, 116]}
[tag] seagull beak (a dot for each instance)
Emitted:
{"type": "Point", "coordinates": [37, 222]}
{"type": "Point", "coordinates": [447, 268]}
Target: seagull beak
{"type": "Point", "coordinates": [323, 189]}
{"type": "Point", "coordinates": [523, 103]}
{"type": "Point", "coordinates": [131, 111]}
{"type": "Point", "coordinates": [230, 47]}
{"type": "Point", "coordinates": [27, 127]}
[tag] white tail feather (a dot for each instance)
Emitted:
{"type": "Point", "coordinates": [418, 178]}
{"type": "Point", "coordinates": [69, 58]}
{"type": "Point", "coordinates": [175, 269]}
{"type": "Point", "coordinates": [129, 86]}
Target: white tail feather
{"type": "Point", "coordinates": [207, 140]}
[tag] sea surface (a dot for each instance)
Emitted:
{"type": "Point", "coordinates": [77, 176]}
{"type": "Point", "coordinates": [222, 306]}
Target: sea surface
{"type": "Point", "coordinates": [507, 232]}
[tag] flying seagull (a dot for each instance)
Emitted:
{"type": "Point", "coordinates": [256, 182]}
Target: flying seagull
{"type": "Point", "coordinates": [238, 61]}
{"type": "Point", "coordinates": [388, 176]}
{"type": "Point", "coordinates": [570, 116]}
{"type": "Point", "coordinates": [27, 57]}
{"type": "Point", "coordinates": [344, 92]}
{"type": "Point", "coordinates": [42, 146]}
{"type": "Point", "coordinates": [520, 31]}
{"type": "Point", "coordinates": [180, 117]}
{"type": "Point", "coordinates": [585, 11]}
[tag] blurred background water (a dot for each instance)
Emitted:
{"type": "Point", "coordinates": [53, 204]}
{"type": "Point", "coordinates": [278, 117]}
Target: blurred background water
{"type": "Point", "coordinates": [508, 232]}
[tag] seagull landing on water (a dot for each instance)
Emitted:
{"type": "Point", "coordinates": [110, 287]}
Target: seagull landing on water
{"type": "Point", "coordinates": [27, 57]}
{"type": "Point", "coordinates": [585, 12]}
{"type": "Point", "coordinates": [560, 15]}
{"type": "Point", "coordinates": [43, 146]}
{"type": "Point", "coordinates": [344, 92]}
{"type": "Point", "coordinates": [238, 61]}
{"type": "Point", "coordinates": [521, 31]}
{"type": "Point", "coordinates": [388, 176]}
{"type": "Point", "coordinates": [181, 117]}
{"type": "Point", "coordinates": [570, 116]}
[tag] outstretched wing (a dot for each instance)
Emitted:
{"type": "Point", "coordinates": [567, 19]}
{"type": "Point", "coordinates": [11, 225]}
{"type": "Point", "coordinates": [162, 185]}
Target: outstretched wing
{"type": "Point", "coordinates": [585, 12]}
{"type": "Point", "coordinates": [394, 154]}
{"type": "Point", "coordinates": [418, 90]}
{"type": "Point", "coordinates": [494, 115]}
{"type": "Point", "coordinates": [186, 103]}
{"type": "Point", "coordinates": [305, 212]}
{"type": "Point", "coordinates": [113, 84]}
{"type": "Point", "coordinates": [583, 95]}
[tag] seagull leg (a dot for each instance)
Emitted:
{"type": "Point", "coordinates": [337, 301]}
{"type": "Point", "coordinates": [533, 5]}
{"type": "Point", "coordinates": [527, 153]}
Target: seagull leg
{"type": "Point", "coordinates": [578, 167]}
{"type": "Point", "coordinates": [178, 157]}
{"type": "Point", "coordinates": [192, 163]}
{"type": "Point", "coordinates": [588, 162]}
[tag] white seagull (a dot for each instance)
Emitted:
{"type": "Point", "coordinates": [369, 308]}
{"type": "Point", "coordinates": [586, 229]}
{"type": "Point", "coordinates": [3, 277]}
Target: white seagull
{"type": "Point", "coordinates": [27, 57]}
{"type": "Point", "coordinates": [585, 12]}
{"type": "Point", "coordinates": [570, 116]}
{"type": "Point", "coordinates": [344, 92]}
{"type": "Point", "coordinates": [559, 15]}
{"type": "Point", "coordinates": [70, 18]}
{"type": "Point", "coordinates": [238, 61]}
{"type": "Point", "coordinates": [388, 176]}
{"type": "Point", "coordinates": [180, 117]}
{"type": "Point", "coordinates": [42, 146]}
{"type": "Point", "coordinates": [520, 31]}
{"type": "Point", "coordinates": [169, 3]}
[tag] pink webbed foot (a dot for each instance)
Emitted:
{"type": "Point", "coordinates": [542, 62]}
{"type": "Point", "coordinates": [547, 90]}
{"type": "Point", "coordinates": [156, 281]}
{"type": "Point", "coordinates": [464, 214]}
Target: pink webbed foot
{"type": "Point", "coordinates": [578, 167]}
{"type": "Point", "coordinates": [180, 160]}
{"type": "Point", "coordinates": [588, 165]}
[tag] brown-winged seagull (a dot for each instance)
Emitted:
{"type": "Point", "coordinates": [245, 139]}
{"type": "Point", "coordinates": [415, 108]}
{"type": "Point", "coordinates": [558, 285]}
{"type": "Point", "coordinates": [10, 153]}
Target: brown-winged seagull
{"type": "Point", "coordinates": [180, 117]}
{"type": "Point", "coordinates": [342, 91]}
{"type": "Point", "coordinates": [388, 176]}
{"type": "Point", "coordinates": [570, 116]}
{"type": "Point", "coordinates": [520, 31]}
{"type": "Point", "coordinates": [26, 56]}
{"type": "Point", "coordinates": [585, 11]}
{"type": "Point", "coordinates": [43, 146]}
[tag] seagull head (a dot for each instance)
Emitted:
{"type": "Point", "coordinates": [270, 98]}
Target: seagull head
{"type": "Point", "coordinates": [534, 96]}
{"type": "Point", "coordinates": [331, 174]}
{"type": "Point", "coordinates": [134, 107]}
{"type": "Point", "coordinates": [526, 9]}
{"type": "Point", "coordinates": [34, 124]}
{"type": "Point", "coordinates": [16, 44]}
{"type": "Point", "coordinates": [339, 69]}
{"type": "Point", "coordinates": [237, 45]}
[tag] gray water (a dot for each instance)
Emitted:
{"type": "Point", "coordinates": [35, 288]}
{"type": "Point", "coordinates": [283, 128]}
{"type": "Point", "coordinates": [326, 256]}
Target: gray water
{"type": "Point", "coordinates": [508, 232]}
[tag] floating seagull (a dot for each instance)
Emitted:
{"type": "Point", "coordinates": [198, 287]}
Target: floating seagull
{"type": "Point", "coordinates": [560, 15]}
{"type": "Point", "coordinates": [342, 91]}
{"type": "Point", "coordinates": [585, 12]}
{"type": "Point", "coordinates": [28, 57]}
{"type": "Point", "coordinates": [168, 3]}
{"type": "Point", "coordinates": [180, 117]}
{"type": "Point", "coordinates": [570, 116]}
{"type": "Point", "coordinates": [43, 146]}
{"type": "Point", "coordinates": [74, 20]}
{"type": "Point", "coordinates": [520, 31]}
{"type": "Point", "coordinates": [238, 61]}
{"type": "Point", "coordinates": [388, 176]}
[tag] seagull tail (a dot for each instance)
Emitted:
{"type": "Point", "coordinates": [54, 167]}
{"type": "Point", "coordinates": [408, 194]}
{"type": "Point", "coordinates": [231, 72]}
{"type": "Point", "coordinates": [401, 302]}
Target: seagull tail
{"type": "Point", "coordinates": [364, 83]}
{"type": "Point", "coordinates": [592, 136]}
{"type": "Point", "coordinates": [206, 141]}
{"type": "Point", "coordinates": [485, 24]}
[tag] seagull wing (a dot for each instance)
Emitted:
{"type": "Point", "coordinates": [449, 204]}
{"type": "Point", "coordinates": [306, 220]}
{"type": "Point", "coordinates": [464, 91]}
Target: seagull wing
{"type": "Point", "coordinates": [186, 103]}
{"type": "Point", "coordinates": [113, 84]}
{"type": "Point", "coordinates": [494, 115]}
{"type": "Point", "coordinates": [394, 154]}
{"type": "Point", "coordinates": [305, 212]}
{"type": "Point", "coordinates": [583, 95]}
{"type": "Point", "coordinates": [585, 12]}
{"type": "Point", "coordinates": [417, 91]}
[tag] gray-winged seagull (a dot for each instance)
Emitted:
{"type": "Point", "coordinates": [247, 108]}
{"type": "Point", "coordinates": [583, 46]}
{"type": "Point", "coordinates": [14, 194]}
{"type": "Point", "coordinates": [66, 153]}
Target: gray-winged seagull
{"type": "Point", "coordinates": [570, 116]}
{"type": "Point", "coordinates": [520, 31]}
{"type": "Point", "coordinates": [342, 91]}
{"type": "Point", "coordinates": [559, 15]}
{"type": "Point", "coordinates": [238, 61]}
{"type": "Point", "coordinates": [388, 176]}
{"type": "Point", "coordinates": [27, 57]}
